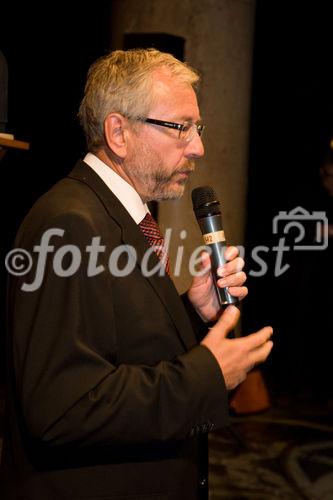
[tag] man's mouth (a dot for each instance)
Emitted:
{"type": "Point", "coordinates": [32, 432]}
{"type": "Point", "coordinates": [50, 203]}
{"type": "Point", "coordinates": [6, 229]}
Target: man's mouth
{"type": "Point", "coordinates": [186, 171]}
{"type": "Point", "coordinates": [182, 176]}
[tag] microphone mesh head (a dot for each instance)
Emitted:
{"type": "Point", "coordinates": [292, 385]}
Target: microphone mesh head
{"type": "Point", "coordinates": [205, 201]}
{"type": "Point", "coordinates": [202, 195]}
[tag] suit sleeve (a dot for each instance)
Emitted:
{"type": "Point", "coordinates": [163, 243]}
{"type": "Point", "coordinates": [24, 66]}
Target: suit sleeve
{"type": "Point", "coordinates": [199, 326]}
{"type": "Point", "coordinates": [69, 391]}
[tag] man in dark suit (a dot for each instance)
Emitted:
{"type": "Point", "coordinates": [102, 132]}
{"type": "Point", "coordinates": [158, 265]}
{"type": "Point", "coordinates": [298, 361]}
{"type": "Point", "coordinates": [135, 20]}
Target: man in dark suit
{"type": "Point", "coordinates": [113, 377]}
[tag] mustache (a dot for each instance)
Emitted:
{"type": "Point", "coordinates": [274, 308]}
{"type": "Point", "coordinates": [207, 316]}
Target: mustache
{"type": "Point", "coordinates": [162, 178]}
{"type": "Point", "coordinates": [187, 168]}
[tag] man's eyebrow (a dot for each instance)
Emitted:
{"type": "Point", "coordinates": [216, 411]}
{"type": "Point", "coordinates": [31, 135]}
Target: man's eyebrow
{"type": "Point", "coordinates": [186, 118]}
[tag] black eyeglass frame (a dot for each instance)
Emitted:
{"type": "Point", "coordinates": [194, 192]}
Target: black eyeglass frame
{"type": "Point", "coordinates": [178, 126]}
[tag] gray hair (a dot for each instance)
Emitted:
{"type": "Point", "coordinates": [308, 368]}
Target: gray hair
{"type": "Point", "coordinates": [122, 82]}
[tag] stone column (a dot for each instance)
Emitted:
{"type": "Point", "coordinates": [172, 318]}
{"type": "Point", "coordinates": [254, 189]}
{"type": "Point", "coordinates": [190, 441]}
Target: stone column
{"type": "Point", "coordinates": [219, 43]}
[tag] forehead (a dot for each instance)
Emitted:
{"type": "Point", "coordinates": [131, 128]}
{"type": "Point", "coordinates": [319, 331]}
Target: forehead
{"type": "Point", "coordinates": [173, 99]}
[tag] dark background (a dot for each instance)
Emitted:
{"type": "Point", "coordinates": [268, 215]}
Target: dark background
{"type": "Point", "coordinates": [49, 50]}
{"type": "Point", "coordinates": [291, 127]}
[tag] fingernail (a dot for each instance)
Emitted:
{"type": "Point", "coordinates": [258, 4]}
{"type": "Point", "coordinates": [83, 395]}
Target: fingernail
{"type": "Point", "coordinates": [222, 282]}
{"type": "Point", "coordinates": [221, 271]}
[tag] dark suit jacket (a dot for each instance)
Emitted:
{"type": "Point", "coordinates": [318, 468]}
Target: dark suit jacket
{"type": "Point", "coordinates": [108, 389]}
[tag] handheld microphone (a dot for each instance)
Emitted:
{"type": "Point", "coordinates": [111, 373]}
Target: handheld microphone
{"type": "Point", "coordinates": [208, 213]}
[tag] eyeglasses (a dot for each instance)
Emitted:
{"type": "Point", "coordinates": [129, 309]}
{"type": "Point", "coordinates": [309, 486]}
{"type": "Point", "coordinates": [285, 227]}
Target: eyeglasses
{"type": "Point", "coordinates": [186, 129]}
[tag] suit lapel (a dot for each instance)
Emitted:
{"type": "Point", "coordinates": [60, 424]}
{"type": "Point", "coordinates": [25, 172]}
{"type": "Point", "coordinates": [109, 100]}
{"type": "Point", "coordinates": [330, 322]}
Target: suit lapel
{"type": "Point", "coordinates": [132, 235]}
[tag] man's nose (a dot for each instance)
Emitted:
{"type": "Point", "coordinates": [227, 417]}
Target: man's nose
{"type": "Point", "coordinates": [195, 148]}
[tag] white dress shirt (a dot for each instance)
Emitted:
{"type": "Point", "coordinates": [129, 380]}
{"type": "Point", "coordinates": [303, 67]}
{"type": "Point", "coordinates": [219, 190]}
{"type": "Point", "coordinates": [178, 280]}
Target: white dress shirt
{"type": "Point", "coordinates": [125, 193]}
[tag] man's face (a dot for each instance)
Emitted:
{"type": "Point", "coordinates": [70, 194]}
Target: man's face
{"type": "Point", "coordinates": [158, 162]}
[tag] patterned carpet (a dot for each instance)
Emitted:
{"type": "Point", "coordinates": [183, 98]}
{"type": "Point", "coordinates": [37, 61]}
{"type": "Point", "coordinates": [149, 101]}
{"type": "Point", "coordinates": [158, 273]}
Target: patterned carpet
{"type": "Point", "coordinates": [282, 453]}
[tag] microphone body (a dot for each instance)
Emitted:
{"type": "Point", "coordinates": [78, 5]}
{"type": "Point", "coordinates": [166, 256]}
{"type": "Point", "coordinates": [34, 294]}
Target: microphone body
{"type": "Point", "coordinates": [208, 214]}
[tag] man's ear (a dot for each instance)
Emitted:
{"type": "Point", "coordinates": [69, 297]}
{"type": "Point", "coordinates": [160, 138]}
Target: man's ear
{"type": "Point", "coordinates": [115, 136]}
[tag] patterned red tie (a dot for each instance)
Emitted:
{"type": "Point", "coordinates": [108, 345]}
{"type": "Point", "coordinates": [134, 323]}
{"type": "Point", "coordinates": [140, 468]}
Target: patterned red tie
{"type": "Point", "coordinates": [153, 234]}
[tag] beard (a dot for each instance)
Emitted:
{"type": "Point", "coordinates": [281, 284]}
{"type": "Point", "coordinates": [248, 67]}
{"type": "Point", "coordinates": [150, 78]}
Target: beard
{"type": "Point", "coordinates": [152, 177]}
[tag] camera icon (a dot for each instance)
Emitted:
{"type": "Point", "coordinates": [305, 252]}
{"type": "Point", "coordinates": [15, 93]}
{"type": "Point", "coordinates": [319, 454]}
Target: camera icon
{"type": "Point", "coordinates": [315, 223]}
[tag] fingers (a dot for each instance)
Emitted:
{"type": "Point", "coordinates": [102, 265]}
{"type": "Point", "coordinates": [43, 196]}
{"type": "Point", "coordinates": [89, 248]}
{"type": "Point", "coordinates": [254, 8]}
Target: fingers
{"type": "Point", "coordinates": [240, 291]}
{"type": "Point", "coordinates": [258, 338]}
{"type": "Point", "coordinates": [237, 356]}
{"type": "Point", "coordinates": [231, 253]}
{"type": "Point", "coordinates": [237, 279]}
{"type": "Point", "coordinates": [227, 321]}
{"type": "Point", "coordinates": [260, 354]}
{"type": "Point", "coordinates": [234, 266]}
{"type": "Point", "coordinates": [231, 274]}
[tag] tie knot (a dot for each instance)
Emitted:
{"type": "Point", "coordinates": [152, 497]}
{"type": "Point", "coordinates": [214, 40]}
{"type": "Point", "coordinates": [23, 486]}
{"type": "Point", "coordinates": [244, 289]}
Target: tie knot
{"type": "Point", "coordinates": [150, 228]}
{"type": "Point", "coordinates": [155, 238]}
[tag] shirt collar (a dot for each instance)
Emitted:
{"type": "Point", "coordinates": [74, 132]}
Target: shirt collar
{"type": "Point", "coordinates": [125, 193]}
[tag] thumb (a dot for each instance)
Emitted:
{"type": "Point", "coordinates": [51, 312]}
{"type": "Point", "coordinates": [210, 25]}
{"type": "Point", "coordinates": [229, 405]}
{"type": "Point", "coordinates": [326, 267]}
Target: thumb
{"type": "Point", "coordinates": [205, 263]}
{"type": "Point", "coordinates": [205, 260]}
{"type": "Point", "coordinates": [228, 320]}
{"type": "Point", "coordinates": [203, 268]}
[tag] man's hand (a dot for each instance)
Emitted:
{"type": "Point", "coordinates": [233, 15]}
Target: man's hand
{"type": "Point", "coordinates": [202, 293]}
{"type": "Point", "coordinates": [237, 357]}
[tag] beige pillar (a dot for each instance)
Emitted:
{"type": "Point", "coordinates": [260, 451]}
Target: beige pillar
{"type": "Point", "coordinates": [219, 42]}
